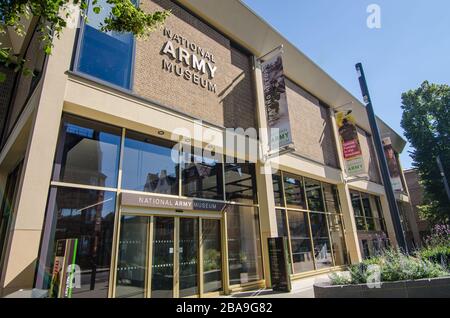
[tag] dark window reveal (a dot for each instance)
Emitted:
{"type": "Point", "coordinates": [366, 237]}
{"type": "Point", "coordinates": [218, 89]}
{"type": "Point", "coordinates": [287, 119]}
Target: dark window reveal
{"type": "Point", "coordinates": [106, 56]}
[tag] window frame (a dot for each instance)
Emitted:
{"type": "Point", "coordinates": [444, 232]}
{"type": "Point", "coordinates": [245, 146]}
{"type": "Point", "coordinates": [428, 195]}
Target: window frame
{"type": "Point", "coordinates": [74, 67]}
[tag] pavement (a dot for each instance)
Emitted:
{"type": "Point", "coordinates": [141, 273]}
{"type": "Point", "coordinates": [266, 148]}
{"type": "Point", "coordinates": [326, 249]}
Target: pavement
{"type": "Point", "coordinates": [302, 288]}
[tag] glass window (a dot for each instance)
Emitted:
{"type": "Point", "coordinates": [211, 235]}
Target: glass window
{"type": "Point", "coordinates": [380, 213]}
{"type": "Point", "coordinates": [278, 189]}
{"type": "Point", "coordinates": [149, 166]}
{"type": "Point", "coordinates": [337, 239]}
{"type": "Point", "coordinates": [331, 196]}
{"type": "Point", "coordinates": [240, 182]}
{"type": "Point", "coordinates": [107, 56]}
{"type": "Point", "coordinates": [281, 223]}
{"type": "Point", "coordinates": [321, 240]}
{"type": "Point", "coordinates": [88, 153]}
{"type": "Point", "coordinates": [358, 211]}
{"type": "Point", "coordinates": [294, 191]}
{"type": "Point", "coordinates": [301, 242]}
{"type": "Point", "coordinates": [366, 204]}
{"type": "Point", "coordinates": [244, 246]}
{"type": "Point", "coordinates": [313, 190]}
{"type": "Point", "coordinates": [88, 217]}
{"type": "Point", "coordinates": [202, 177]}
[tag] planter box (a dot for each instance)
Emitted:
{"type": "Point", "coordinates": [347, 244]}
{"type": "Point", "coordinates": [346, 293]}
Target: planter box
{"type": "Point", "coordinates": [423, 288]}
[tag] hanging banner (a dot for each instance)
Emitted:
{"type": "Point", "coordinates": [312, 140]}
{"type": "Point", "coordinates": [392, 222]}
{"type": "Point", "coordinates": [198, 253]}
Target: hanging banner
{"type": "Point", "coordinates": [394, 169]}
{"type": "Point", "coordinates": [351, 147]}
{"type": "Point", "coordinates": [275, 100]}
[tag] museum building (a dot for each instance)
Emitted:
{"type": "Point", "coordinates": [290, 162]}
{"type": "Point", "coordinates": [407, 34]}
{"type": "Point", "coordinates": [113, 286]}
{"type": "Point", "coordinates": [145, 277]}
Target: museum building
{"type": "Point", "coordinates": [90, 184]}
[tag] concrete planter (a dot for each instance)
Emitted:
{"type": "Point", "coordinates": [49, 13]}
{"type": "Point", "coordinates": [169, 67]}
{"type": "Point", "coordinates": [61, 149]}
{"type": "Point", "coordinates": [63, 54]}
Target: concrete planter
{"type": "Point", "coordinates": [423, 288]}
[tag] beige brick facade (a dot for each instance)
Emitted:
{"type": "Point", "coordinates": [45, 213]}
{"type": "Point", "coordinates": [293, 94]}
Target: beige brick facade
{"type": "Point", "coordinates": [311, 127]}
{"type": "Point", "coordinates": [231, 106]}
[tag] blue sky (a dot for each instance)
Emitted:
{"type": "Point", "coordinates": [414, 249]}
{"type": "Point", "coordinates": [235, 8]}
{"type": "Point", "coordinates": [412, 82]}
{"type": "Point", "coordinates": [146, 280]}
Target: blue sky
{"type": "Point", "coordinates": [412, 45]}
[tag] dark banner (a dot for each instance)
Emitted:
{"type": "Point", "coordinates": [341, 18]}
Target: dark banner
{"type": "Point", "coordinates": [275, 99]}
{"type": "Point", "coordinates": [394, 169]}
{"type": "Point", "coordinates": [348, 133]}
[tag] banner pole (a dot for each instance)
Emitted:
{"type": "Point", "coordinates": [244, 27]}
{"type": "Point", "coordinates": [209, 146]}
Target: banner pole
{"type": "Point", "coordinates": [395, 213]}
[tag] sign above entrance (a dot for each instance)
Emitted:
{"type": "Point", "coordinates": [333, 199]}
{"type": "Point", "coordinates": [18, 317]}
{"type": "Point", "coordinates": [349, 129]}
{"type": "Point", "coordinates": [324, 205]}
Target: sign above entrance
{"type": "Point", "coordinates": [151, 201]}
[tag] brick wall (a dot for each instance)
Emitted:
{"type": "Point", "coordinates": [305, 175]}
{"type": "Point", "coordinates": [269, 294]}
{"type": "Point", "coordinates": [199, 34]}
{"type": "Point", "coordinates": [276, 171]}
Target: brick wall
{"type": "Point", "coordinates": [233, 103]}
{"type": "Point", "coordinates": [312, 130]}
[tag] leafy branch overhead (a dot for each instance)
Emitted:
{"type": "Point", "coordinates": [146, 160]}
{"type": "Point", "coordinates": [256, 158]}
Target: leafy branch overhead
{"type": "Point", "coordinates": [52, 15]}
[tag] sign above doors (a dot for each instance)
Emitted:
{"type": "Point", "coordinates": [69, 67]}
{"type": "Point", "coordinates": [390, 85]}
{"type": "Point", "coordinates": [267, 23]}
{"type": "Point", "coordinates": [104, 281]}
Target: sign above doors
{"type": "Point", "coordinates": [161, 202]}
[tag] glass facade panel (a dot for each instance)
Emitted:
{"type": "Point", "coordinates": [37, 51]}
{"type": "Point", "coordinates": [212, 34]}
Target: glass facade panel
{"type": "Point", "coordinates": [313, 190]}
{"type": "Point", "coordinates": [149, 166]}
{"type": "Point", "coordinates": [212, 256]}
{"type": "Point", "coordinates": [244, 245]}
{"type": "Point", "coordinates": [322, 246]}
{"type": "Point", "coordinates": [278, 189]}
{"type": "Point", "coordinates": [331, 197]}
{"type": "Point", "coordinates": [337, 239]}
{"type": "Point", "coordinates": [281, 223]}
{"type": "Point", "coordinates": [88, 153]}
{"type": "Point", "coordinates": [188, 267]}
{"type": "Point", "coordinates": [132, 259]}
{"type": "Point", "coordinates": [294, 191]}
{"type": "Point", "coordinates": [202, 177]}
{"type": "Point", "coordinates": [162, 258]}
{"type": "Point", "coordinates": [106, 56]}
{"type": "Point", "coordinates": [88, 217]}
{"type": "Point", "coordinates": [240, 182]}
{"type": "Point", "coordinates": [302, 256]}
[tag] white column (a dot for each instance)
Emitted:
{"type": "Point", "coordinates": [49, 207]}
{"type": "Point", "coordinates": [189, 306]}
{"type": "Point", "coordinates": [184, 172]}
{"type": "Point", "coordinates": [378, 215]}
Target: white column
{"type": "Point", "coordinates": [267, 216]}
{"type": "Point", "coordinates": [20, 263]}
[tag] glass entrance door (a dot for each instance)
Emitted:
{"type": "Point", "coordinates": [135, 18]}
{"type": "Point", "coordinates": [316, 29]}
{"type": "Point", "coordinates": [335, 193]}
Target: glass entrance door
{"type": "Point", "coordinates": [165, 257]}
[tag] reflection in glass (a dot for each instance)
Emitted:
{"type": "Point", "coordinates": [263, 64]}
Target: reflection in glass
{"type": "Point", "coordinates": [281, 223]}
{"type": "Point", "coordinates": [313, 190]}
{"type": "Point", "coordinates": [86, 215]}
{"type": "Point", "coordinates": [107, 56]}
{"type": "Point", "coordinates": [294, 191]}
{"type": "Point", "coordinates": [212, 258]}
{"type": "Point", "coordinates": [244, 246]}
{"type": "Point", "coordinates": [240, 182]}
{"type": "Point", "coordinates": [163, 252]}
{"type": "Point", "coordinates": [148, 165]}
{"type": "Point", "coordinates": [202, 177]}
{"type": "Point", "coordinates": [338, 240]}
{"type": "Point", "coordinates": [88, 153]}
{"type": "Point", "coordinates": [278, 189]}
{"type": "Point", "coordinates": [188, 262]}
{"type": "Point", "coordinates": [132, 258]}
{"type": "Point", "coordinates": [358, 211]}
{"type": "Point", "coordinates": [322, 246]}
{"type": "Point", "coordinates": [301, 242]}
{"type": "Point", "coordinates": [331, 197]}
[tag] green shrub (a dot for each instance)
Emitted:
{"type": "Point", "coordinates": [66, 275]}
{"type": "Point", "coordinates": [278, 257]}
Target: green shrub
{"type": "Point", "coordinates": [392, 266]}
{"type": "Point", "coordinates": [438, 254]}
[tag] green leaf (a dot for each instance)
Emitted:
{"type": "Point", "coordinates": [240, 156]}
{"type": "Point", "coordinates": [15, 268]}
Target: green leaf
{"type": "Point", "coordinates": [97, 10]}
{"type": "Point", "coordinates": [2, 77]}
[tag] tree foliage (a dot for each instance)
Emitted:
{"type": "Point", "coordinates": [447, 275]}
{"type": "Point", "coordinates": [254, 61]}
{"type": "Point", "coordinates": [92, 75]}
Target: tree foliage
{"type": "Point", "coordinates": [426, 121]}
{"type": "Point", "coordinates": [53, 15]}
